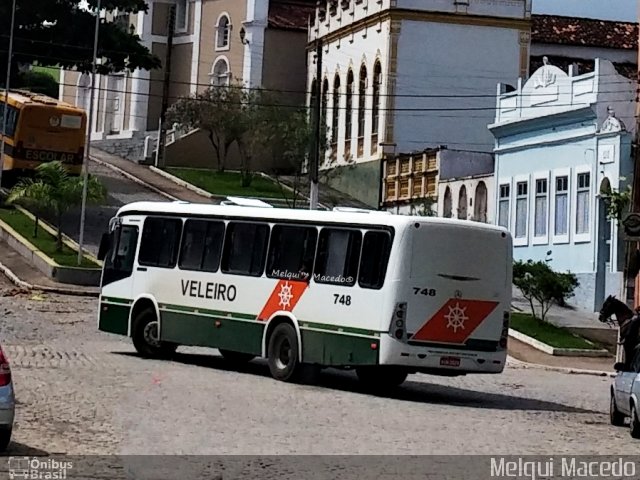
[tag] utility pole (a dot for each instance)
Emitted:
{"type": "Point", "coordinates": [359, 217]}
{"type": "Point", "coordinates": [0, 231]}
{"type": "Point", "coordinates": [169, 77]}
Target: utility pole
{"type": "Point", "coordinates": [5, 110]}
{"type": "Point", "coordinates": [162, 131]}
{"type": "Point", "coordinates": [317, 127]}
{"type": "Point", "coordinates": [87, 146]}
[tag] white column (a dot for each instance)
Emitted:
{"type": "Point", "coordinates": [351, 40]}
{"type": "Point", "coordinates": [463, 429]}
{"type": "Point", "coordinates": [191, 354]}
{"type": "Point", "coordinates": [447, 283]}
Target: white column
{"type": "Point", "coordinates": [255, 26]}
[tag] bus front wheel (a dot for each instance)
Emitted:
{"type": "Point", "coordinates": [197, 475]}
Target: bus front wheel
{"type": "Point", "coordinates": [382, 376]}
{"type": "Point", "coordinates": [283, 357]}
{"type": "Point", "coordinates": [144, 333]}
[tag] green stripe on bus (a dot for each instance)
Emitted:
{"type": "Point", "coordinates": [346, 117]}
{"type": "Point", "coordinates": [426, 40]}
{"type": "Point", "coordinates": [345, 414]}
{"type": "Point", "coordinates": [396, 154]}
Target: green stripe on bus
{"type": "Point", "coordinates": [338, 328]}
{"type": "Point", "coordinates": [123, 301]}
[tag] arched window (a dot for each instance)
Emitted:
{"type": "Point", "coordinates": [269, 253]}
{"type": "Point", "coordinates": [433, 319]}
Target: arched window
{"type": "Point", "coordinates": [335, 112]}
{"type": "Point", "coordinates": [375, 112]}
{"type": "Point", "coordinates": [349, 111]}
{"type": "Point", "coordinates": [223, 32]}
{"type": "Point", "coordinates": [220, 73]}
{"type": "Point", "coordinates": [314, 94]}
{"type": "Point", "coordinates": [362, 100]}
{"type": "Point", "coordinates": [323, 105]}
{"type": "Point", "coordinates": [447, 203]}
{"type": "Point", "coordinates": [462, 203]}
{"type": "Point", "coordinates": [480, 204]}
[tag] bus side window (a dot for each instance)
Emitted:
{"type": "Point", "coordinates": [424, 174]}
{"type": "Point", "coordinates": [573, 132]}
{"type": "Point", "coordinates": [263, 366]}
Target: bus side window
{"type": "Point", "coordinates": [374, 260]}
{"type": "Point", "coordinates": [12, 120]}
{"type": "Point", "coordinates": [245, 248]}
{"type": "Point", "coordinates": [291, 252]}
{"type": "Point", "coordinates": [201, 245]}
{"type": "Point", "coordinates": [160, 240]}
{"type": "Point", "coordinates": [338, 256]}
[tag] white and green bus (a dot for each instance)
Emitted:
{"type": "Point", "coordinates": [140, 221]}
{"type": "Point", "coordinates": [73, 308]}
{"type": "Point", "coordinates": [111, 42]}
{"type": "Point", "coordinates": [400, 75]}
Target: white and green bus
{"type": "Point", "coordinates": [386, 295]}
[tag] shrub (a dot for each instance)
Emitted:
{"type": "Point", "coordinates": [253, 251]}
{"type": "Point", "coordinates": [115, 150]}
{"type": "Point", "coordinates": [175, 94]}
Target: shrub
{"type": "Point", "coordinates": [539, 283]}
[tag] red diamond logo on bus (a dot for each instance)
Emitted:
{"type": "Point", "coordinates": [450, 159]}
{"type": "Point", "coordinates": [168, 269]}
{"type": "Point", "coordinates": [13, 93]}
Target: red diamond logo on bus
{"type": "Point", "coordinates": [455, 321]}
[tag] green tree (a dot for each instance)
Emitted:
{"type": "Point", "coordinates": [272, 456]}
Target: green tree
{"type": "Point", "coordinates": [219, 112]}
{"type": "Point", "coordinates": [38, 82]}
{"type": "Point", "coordinates": [539, 283]}
{"type": "Point", "coordinates": [54, 190]}
{"type": "Point", "coordinates": [61, 33]}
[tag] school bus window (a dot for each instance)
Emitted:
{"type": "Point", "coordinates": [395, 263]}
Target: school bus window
{"type": "Point", "coordinates": [375, 257]}
{"type": "Point", "coordinates": [201, 245]}
{"type": "Point", "coordinates": [160, 241]}
{"type": "Point", "coordinates": [12, 120]}
{"type": "Point", "coordinates": [245, 249]}
{"type": "Point", "coordinates": [292, 252]}
{"type": "Point", "coordinates": [338, 256]}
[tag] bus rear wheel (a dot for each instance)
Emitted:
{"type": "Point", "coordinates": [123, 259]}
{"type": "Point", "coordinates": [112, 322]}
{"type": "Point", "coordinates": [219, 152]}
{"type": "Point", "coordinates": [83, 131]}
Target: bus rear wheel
{"type": "Point", "coordinates": [144, 333]}
{"type": "Point", "coordinates": [382, 376]}
{"type": "Point", "coordinates": [283, 353]}
{"type": "Point", "coordinates": [236, 357]}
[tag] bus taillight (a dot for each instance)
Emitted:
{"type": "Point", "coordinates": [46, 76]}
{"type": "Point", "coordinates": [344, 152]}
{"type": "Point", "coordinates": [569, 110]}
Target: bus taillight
{"type": "Point", "coordinates": [398, 327]}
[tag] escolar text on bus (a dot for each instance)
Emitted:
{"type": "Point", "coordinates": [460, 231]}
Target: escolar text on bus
{"type": "Point", "coordinates": [208, 290]}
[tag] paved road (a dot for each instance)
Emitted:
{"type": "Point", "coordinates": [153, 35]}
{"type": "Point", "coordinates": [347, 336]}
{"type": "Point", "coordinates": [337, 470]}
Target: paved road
{"type": "Point", "coordinates": [85, 392]}
{"type": "Point", "coordinates": [121, 191]}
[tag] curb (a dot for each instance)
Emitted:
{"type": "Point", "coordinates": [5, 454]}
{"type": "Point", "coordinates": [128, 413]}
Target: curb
{"type": "Point", "coordinates": [58, 290]}
{"type": "Point", "coordinates": [134, 178]}
{"type": "Point", "coordinates": [514, 362]}
{"type": "Point", "coordinates": [559, 352]}
{"type": "Point", "coordinates": [187, 185]}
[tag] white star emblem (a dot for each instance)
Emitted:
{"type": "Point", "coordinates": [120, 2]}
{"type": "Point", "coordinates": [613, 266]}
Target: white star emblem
{"type": "Point", "coordinates": [285, 295]}
{"type": "Point", "coordinates": [456, 318]}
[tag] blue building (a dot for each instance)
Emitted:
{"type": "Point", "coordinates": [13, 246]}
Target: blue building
{"type": "Point", "coordinates": [562, 140]}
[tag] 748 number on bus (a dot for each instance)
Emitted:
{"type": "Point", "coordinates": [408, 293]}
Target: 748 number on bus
{"type": "Point", "coordinates": [341, 299]}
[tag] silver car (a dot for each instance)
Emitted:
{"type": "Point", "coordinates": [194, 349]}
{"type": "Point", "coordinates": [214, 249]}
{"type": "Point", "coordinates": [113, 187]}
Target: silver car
{"type": "Point", "coordinates": [7, 402]}
{"type": "Point", "coordinates": [625, 395]}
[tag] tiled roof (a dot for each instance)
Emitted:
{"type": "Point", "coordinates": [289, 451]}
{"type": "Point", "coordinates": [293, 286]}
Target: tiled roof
{"type": "Point", "coordinates": [584, 31]}
{"type": "Point", "coordinates": [291, 14]}
{"type": "Point", "coordinates": [629, 70]}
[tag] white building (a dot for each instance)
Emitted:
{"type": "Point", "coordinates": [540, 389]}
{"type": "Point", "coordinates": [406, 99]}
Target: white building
{"type": "Point", "coordinates": [414, 73]}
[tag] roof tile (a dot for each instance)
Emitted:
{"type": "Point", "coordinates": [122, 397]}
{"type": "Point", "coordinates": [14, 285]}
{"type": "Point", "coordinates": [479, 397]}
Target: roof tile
{"type": "Point", "coordinates": [584, 31]}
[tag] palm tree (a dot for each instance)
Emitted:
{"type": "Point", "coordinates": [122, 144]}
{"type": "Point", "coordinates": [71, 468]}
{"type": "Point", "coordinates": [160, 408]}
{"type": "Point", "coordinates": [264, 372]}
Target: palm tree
{"type": "Point", "coordinates": [55, 191]}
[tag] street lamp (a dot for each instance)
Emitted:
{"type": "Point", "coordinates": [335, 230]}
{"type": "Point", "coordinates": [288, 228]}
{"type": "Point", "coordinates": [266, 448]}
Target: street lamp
{"type": "Point", "coordinates": [85, 170]}
{"type": "Point", "coordinates": [5, 112]}
{"type": "Point", "coordinates": [388, 150]}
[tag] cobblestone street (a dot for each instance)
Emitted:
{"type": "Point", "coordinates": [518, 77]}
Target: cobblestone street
{"type": "Point", "coordinates": [84, 392]}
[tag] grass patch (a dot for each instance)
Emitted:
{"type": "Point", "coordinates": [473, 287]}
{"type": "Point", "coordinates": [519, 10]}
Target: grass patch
{"type": "Point", "coordinates": [550, 334]}
{"type": "Point", "coordinates": [229, 183]}
{"type": "Point", "coordinates": [45, 242]}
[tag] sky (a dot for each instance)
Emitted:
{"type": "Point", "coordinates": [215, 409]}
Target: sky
{"type": "Point", "coordinates": [621, 10]}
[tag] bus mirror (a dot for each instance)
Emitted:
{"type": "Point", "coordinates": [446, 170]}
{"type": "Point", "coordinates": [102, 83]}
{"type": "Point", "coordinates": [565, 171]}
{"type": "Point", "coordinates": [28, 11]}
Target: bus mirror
{"type": "Point", "coordinates": [105, 244]}
{"type": "Point", "coordinates": [619, 367]}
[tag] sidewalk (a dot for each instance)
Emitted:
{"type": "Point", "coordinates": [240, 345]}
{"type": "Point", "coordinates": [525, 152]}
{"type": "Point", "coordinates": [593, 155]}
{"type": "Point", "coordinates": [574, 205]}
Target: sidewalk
{"type": "Point", "coordinates": [146, 176]}
{"type": "Point", "coordinates": [525, 353]}
{"type": "Point", "coordinates": [30, 277]}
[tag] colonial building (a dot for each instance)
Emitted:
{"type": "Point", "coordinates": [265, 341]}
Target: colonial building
{"type": "Point", "coordinates": [440, 181]}
{"type": "Point", "coordinates": [417, 74]}
{"type": "Point", "coordinates": [574, 41]}
{"type": "Point", "coordinates": [255, 42]}
{"type": "Point", "coordinates": [562, 141]}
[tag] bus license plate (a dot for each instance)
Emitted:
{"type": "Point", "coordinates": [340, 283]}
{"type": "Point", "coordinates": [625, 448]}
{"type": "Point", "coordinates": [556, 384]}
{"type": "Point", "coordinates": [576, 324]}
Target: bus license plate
{"type": "Point", "coordinates": [449, 361]}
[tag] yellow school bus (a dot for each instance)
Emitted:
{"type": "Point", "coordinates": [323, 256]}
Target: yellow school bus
{"type": "Point", "coordinates": [41, 129]}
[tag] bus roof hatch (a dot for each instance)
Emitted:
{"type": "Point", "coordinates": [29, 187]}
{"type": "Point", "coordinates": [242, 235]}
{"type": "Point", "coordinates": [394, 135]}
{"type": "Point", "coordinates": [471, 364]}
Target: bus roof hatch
{"type": "Point", "coordinates": [245, 202]}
